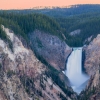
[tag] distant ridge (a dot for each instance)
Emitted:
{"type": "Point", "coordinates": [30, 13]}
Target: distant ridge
{"type": "Point", "coordinates": [54, 7]}
{"type": "Point", "coordinates": [68, 6]}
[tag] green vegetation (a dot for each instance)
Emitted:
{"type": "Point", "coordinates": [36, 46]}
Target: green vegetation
{"type": "Point", "coordinates": [89, 24]}
{"type": "Point", "coordinates": [28, 23]}
{"type": "Point", "coordinates": [13, 26]}
{"type": "Point", "coordinates": [22, 25]}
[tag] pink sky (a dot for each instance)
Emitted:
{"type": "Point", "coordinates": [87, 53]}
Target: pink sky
{"type": "Point", "coordinates": [22, 4]}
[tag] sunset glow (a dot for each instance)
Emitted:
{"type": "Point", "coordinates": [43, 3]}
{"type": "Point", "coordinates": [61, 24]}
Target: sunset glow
{"type": "Point", "coordinates": [25, 4]}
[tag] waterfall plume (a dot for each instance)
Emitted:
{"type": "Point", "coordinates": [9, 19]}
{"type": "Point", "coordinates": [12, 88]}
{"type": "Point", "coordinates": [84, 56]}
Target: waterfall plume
{"type": "Point", "coordinates": [77, 78]}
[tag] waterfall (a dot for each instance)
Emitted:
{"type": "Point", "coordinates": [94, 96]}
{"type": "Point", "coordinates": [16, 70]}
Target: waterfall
{"type": "Point", "coordinates": [77, 78]}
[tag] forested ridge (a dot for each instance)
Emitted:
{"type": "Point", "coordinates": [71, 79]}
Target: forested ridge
{"type": "Point", "coordinates": [63, 11]}
{"type": "Point", "coordinates": [89, 24]}
{"type": "Point", "coordinates": [23, 23]}
{"type": "Point", "coordinates": [28, 23]}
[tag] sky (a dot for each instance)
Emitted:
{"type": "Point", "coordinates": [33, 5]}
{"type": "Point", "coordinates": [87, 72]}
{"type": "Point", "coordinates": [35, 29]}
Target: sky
{"type": "Point", "coordinates": [25, 4]}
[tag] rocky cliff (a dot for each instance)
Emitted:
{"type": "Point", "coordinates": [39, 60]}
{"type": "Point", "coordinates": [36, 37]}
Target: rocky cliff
{"type": "Point", "coordinates": [92, 66]}
{"type": "Point", "coordinates": [51, 48]}
{"type": "Point", "coordinates": [23, 76]}
{"type": "Point", "coordinates": [92, 61]}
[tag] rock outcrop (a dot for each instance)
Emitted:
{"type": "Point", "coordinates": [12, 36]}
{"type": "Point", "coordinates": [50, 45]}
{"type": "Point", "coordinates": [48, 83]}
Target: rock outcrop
{"type": "Point", "coordinates": [51, 48]}
{"type": "Point", "coordinates": [75, 32]}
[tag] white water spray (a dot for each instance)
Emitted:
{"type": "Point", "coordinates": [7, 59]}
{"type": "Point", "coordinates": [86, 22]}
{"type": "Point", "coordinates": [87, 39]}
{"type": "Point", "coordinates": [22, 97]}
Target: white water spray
{"type": "Point", "coordinates": [77, 78]}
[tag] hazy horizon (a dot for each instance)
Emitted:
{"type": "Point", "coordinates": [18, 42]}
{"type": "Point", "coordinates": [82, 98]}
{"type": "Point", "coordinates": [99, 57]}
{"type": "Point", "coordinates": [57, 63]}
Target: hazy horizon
{"type": "Point", "coordinates": [27, 4]}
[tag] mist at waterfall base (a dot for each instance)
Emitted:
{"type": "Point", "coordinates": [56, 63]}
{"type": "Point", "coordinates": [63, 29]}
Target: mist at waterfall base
{"type": "Point", "coordinates": [78, 80]}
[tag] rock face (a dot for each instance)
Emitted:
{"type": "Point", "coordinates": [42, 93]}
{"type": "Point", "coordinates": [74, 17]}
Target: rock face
{"type": "Point", "coordinates": [51, 48]}
{"type": "Point", "coordinates": [92, 61]}
{"type": "Point", "coordinates": [92, 66]}
{"type": "Point", "coordinates": [14, 65]}
{"type": "Point", "coordinates": [22, 75]}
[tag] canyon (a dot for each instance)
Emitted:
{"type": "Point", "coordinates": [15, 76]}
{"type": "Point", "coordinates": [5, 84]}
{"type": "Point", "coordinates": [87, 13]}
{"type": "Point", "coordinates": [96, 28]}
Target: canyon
{"type": "Point", "coordinates": [24, 77]}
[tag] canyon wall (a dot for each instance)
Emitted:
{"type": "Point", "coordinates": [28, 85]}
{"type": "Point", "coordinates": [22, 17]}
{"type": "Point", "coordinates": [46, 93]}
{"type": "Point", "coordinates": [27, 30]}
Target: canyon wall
{"type": "Point", "coordinates": [51, 48]}
{"type": "Point", "coordinates": [92, 68]}
{"type": "Point", "coordinates": [23, 76]}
